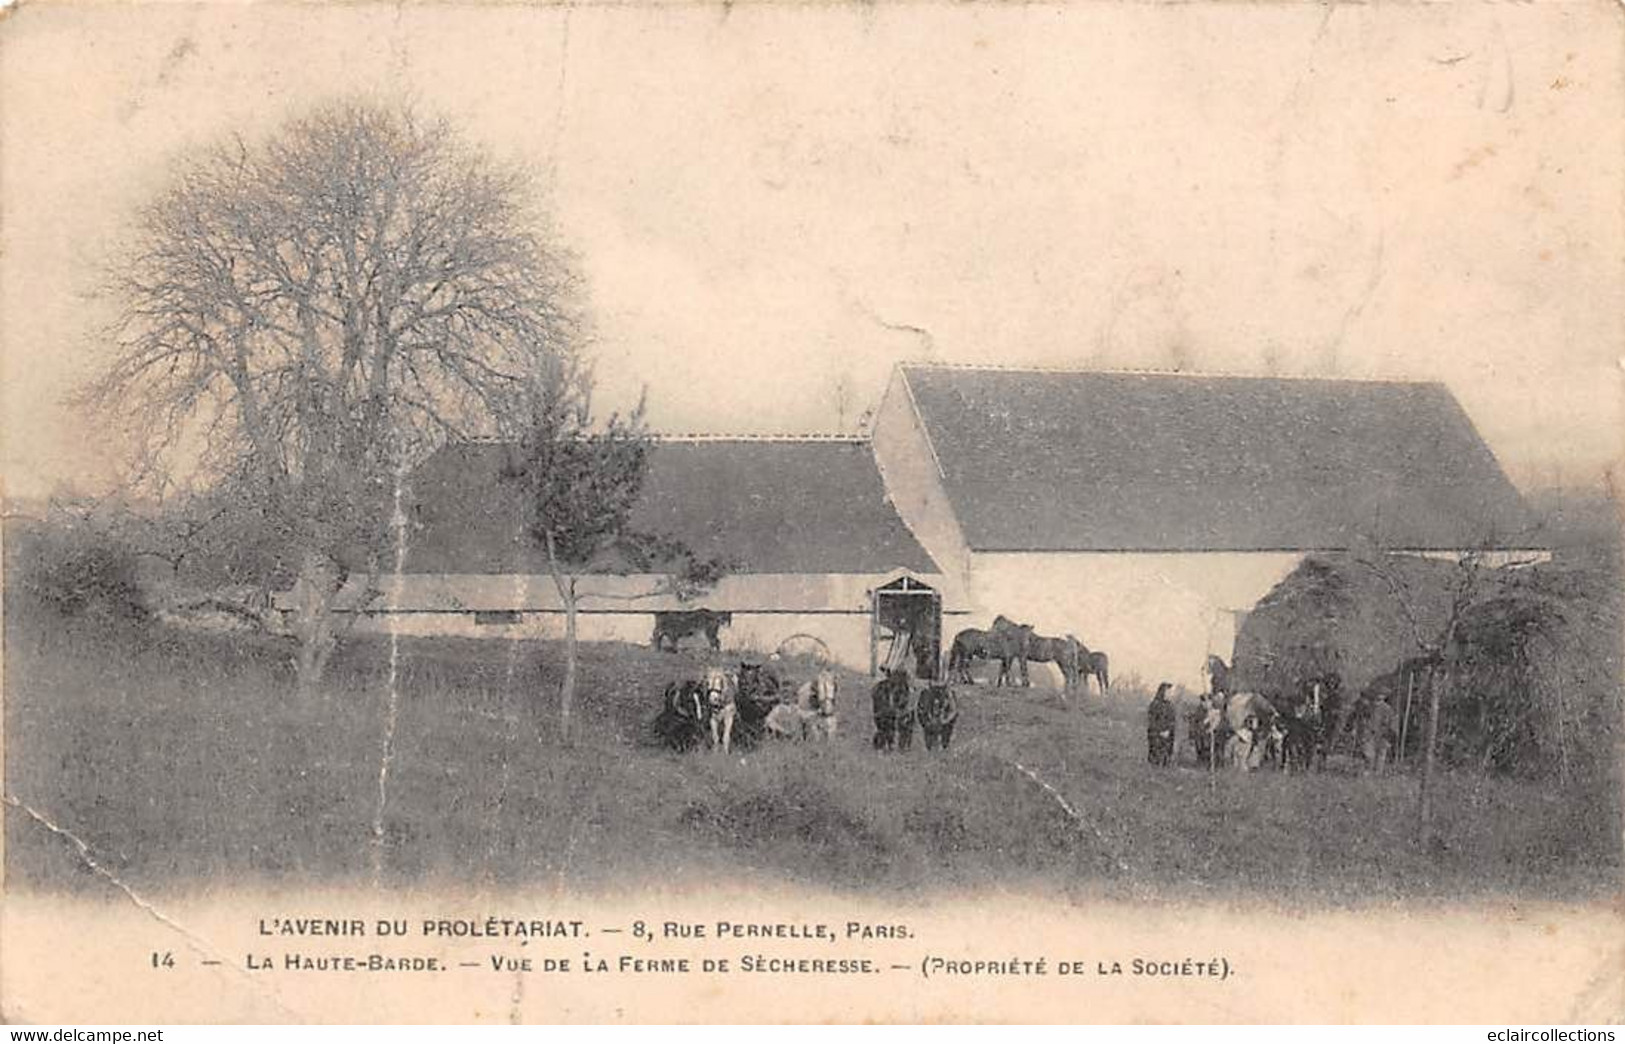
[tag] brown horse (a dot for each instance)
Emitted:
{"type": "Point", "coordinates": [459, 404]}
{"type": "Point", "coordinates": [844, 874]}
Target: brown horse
{"type": "Point", "coordinates": [1011, 640]}
{"type": "Point", "coordinates": [1006, 642]}
{"type": "Point", "coordinates": [1067, 654]}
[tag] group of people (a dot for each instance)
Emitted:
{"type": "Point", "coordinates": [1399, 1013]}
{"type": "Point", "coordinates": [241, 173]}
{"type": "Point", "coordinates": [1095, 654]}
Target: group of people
{"type": "Point", "coordinates": [1247, 729]}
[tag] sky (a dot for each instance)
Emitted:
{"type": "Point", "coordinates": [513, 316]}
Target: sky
{"type": "Point", "coordinates": [774, 204]}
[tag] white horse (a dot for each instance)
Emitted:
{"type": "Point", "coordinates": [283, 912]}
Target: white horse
{"type": "Point", "coordinates": [812, 714]}
{"type": "Point", "coordinates": [721, 709]}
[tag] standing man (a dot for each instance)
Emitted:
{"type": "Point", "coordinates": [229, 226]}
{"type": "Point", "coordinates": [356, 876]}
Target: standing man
{"type": "Point", "coordinates": [1159, 727]}
{"type": "Point", "coordinates": [1377, 734]}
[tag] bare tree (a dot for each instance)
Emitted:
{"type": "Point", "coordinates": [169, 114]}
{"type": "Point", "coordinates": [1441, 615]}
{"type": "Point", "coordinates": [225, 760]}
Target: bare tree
{"type": "Point", "coordinates": [303, 317]}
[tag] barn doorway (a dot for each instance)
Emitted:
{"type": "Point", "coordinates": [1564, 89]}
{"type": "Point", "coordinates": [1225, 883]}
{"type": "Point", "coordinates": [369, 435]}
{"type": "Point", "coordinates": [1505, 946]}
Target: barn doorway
{"type": "Point", "coordinates": [906, 628]}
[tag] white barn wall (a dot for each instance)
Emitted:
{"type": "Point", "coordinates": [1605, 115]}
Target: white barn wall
{"type": "Point", "coordinates": [638, 594]}
{"type": "Point", "coordinates": [1156, 615]}
{"type": "Point", "coordinates": [766, 608]}
{"type": "Point", "coordinates": [750, 634]}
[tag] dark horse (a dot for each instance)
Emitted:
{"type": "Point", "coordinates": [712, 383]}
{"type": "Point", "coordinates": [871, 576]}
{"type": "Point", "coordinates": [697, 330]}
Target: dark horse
{"type": "Point", "coordinates": [893, 700]}
{"type": "Point", "coordinates": [969, 645]}
{"type": "Point", "coordinates": [938, 711]}
{"type": "Point", "coordinates": [683, 715]}
{"type": "Point", "coordinates": [1006, 641]}
{"type": "Point", "coordinates": [1321, 707]}
{"type": "Point", "coordinates": [1218, 674]}
{"type": "Point", "coordinates": [673, 627]}
{"type": "Point", "coordinates": [755, 699]}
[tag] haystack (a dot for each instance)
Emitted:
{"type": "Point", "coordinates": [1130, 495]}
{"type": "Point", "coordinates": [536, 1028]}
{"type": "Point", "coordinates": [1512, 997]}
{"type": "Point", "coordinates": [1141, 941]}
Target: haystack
{"type": "Point", "coordinates": [1356, 617]}
{"type": "Point", "coordinates": [1508, 702]}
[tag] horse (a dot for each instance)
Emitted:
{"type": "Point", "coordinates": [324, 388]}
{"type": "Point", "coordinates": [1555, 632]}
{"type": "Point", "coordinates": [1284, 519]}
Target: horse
{"type": "Point", "coordinates": [968, 646]}
{"type": "Point", "coordinates": [1319, 706]}
{"type": "Point", "coordinates": [673, 627]}
{"type": "Point", "coordinates": [938, 711]}
{"type": "Point", "coordinates": [722, 708]}
{"type": "Point", "coordinates": [1249, 717]}
{"type": "Point", "coordinates": [682, 722]}
{"type": "Point", "coordinates": [1218, 673]}
{"type": "Point", "coordinates": [1295, 738]}
{"type": "Point", "coordinates": [757, 695]}
{"type": "Point", "coordinates": [1097, 664]}
{"type": "Point", "coordinates": [894, 709]}
{"type": "Point", "coordinates": [812, 714]}
{"type": "Point", "coordinates": [1010, 641]}
{"type": "Point", "coordinates": [1067, 654]}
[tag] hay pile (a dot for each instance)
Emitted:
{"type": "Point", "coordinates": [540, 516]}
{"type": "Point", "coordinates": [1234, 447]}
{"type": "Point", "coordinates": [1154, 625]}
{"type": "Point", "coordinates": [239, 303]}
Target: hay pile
{"type": "Point", "coordinates": [1517, 673]}
{"type": "Point", "coordinates": [1356, 617]}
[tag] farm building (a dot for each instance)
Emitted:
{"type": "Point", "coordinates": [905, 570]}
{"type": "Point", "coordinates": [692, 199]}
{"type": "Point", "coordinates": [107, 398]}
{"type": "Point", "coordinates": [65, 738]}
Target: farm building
{"type": "Point", "coordinates": [1142, 512]}
{"type": "Point", "coordinates": [1146, 512]}
{"type": "Point", "coordinates": [816, 549]}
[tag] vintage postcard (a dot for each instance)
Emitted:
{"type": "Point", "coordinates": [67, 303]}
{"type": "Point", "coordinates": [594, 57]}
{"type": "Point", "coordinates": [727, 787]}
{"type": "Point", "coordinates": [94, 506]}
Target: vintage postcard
{"type": "Point", "coordinates": [812, 512]}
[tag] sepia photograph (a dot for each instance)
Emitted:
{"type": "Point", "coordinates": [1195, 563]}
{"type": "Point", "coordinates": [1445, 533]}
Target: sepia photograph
{"type": "Point", "coordinates": [851, 512]}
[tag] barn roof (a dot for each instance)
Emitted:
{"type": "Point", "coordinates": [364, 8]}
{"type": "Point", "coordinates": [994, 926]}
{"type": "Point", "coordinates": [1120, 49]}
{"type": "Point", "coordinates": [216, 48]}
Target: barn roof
{"type": "Point", "coordinates": [1101, 461]}
{"type": "Point", "coordinates": [779, 505]}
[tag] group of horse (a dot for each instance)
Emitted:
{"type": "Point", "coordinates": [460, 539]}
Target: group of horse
{"type": "Point", "coordinates": [1015, 644]}
{"type": "Point", "coordinates": [898, 706]}
{"type": "Point", "coordinates": [726, 709]}
{"type": "Point", "coordinates": [1294, 731]}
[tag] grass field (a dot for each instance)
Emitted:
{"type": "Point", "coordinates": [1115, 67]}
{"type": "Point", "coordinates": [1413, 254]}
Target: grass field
{"type": "Point", "coordinates": [181, 761]}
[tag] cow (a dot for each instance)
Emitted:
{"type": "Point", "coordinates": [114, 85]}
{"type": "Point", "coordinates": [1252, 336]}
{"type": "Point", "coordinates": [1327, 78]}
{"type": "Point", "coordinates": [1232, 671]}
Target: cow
{"type": "Point", "coordinates": [673, 627]}
{"type": "Point", "coordinates": [938, 710]}
{"type": "Point", "coordinates": [894, 710]}
{"type": "Point", "coordinates": [683, 719]}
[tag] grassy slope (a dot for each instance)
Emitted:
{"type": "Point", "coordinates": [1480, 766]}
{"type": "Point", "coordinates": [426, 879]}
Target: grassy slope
{"type": "Point", "coordinates": [181, 759]}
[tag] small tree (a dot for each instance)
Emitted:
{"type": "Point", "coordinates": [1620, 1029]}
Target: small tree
{"type": "Point", "coordinates": [1484, 624]}
{"type": "Point", "coordinates": [581, 482]}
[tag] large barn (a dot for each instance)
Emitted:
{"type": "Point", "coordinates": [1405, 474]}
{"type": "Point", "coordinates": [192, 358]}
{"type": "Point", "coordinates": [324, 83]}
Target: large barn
{"type": "Point", "coordinates": [815, 546]}
{"type": "Point", "coordinates": [1142, 512]}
